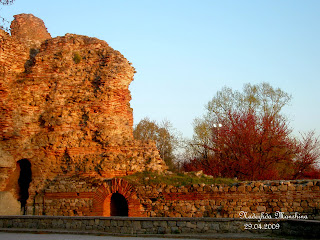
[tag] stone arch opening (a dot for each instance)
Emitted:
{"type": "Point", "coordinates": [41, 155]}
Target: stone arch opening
{"type": "Point", "coordinates": [118, 205]}
{"type": "Point", "coordinates": [24, 182]}
{"type": "Point", "coordinates": [122, 194]}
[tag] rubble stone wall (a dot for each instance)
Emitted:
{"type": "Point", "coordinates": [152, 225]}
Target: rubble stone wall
{"type": "Point", "coordinates": [65, 111]}
{"type": "Point", "coordinates": [89, 196]}
{"type": "Point", "coordinates": [202, 200]}
{"type": "Point", "coordinates": [65, 108]}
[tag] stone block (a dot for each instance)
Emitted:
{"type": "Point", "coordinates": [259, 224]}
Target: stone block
{"type": "Point", "coordinates": [283, 188]}
{"type": "Point", "coordinates": [175, 230]}
{"type": "Point", "coordinates": [8, 204]}
{"type": "Point", "coordinates": [241, 188]}
{"type": "Point", "coordinates": [161, 230]}
{"type": "Point", "coordinates": [200, 225]}
{"type": "Point", "coordinates": [261, 208]}
{"type": "Point", "coordinates": [191, 225]}
{"type": "Point", "coordinates": [113, 223]}
{"type": "Point", "coordinates": [172, 223]}
{"type": "Point", "coordinates": [182, 224]}
{"type": "Point", "coordinates": [304, 204]}
{"type": "Point", "coordinates": [146, 224]}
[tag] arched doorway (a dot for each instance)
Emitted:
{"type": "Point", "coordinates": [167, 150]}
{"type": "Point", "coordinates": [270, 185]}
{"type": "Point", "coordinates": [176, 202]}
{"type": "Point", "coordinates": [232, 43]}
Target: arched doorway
{"type": "Point", "coordinates": [118, 205]}
{"type": "Point", "coordinates": [24, 182]}
{"type": "Point", "coordinates": [117, 198]}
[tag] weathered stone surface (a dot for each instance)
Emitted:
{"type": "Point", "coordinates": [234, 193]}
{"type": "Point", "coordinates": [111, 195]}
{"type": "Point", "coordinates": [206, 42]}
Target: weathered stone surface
{"type": "Point", "coordinates": [9, 205]}
{"type": "Point", "coordinates": [29, 29]}
{"type": "Point", "coordinates": [202, 227]}
{"type": "Point", "coordinates": [191, 203]}
{"type": "Point", "coordinates": [65, 107]}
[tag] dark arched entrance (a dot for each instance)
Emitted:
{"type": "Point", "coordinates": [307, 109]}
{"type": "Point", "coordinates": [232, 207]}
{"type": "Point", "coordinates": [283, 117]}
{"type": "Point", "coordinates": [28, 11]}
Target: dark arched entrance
{"type": "Point", "coordinates": [118, 205]}
{"type": "Point", "coordinates": [24, 182]}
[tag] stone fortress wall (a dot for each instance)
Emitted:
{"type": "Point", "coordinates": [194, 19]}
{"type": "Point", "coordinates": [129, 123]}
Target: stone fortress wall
{"type": "Point", "coordinates": [90, 197]}
{"type": "Point", "coordinates": [66, 133]}
{"type": "Point", "coordinates": [64, 110]}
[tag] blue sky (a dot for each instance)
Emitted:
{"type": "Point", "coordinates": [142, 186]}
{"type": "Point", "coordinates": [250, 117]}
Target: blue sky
{"type": "Point", "coordinates": [186, 51]}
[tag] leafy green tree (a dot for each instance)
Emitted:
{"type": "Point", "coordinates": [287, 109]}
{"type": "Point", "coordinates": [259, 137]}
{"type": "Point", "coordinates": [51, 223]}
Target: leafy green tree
{"type": "Point", "coordinates": [164, 136]}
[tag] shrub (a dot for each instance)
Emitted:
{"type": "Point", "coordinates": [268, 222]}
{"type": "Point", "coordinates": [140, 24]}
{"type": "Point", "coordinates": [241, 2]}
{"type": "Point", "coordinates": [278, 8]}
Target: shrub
{"type": "Point", "coordinates": [76, 57]}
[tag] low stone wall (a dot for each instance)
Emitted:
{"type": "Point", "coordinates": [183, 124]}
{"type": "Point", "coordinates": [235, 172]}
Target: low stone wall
{"type": "Point", "coordinates": [87, 196]}
{"type": "Point", "coordinates": [220, 200]}
{"type": "Point", "coordinates": [161, 226]}
{"type": "Point", "coordinates": [92, 197]}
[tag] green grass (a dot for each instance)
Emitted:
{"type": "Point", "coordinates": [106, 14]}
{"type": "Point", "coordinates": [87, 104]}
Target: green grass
{"type": "Point", "coordinates": [175, 179]}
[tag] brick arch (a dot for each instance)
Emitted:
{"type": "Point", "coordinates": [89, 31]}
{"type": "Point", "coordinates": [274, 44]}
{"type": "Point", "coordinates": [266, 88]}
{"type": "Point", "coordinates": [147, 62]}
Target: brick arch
{"type": "Point", "coordinates": [102, 198]}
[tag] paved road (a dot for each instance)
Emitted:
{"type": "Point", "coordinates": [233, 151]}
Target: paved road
{"type": "Point", "coordinates": [30, 236]}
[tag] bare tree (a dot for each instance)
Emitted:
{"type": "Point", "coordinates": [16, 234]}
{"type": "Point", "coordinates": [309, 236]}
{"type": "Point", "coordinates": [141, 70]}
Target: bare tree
{"type": "Point", "coordinates": [4, 21]}
{"type": "Point", "coordinates": [164, 136]}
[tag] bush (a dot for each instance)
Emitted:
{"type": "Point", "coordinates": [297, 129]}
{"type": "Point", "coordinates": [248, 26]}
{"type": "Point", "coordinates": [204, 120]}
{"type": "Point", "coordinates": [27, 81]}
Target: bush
{"type": "Point", "coordinates": [76, 57]}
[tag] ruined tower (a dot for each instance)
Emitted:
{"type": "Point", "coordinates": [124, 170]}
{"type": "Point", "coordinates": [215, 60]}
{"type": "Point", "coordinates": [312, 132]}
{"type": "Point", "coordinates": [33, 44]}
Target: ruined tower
{"type": "Point", "coordinates": [64, 111]}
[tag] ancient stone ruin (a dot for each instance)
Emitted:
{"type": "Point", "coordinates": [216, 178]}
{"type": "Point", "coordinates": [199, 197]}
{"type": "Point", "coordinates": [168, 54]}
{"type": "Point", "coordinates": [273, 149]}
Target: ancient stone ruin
{"type": "Point", "coordinates": [64, 111]}
{"type": "Point", "coordinates": [66, 139]}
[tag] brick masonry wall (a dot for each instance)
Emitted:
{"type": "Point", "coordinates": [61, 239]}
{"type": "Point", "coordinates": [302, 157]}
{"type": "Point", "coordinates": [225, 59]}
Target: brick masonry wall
{"type": "Point", "coordinates": [65, 107]}
{"type": "Point", "coordinates": [85, 196]}
{"type": "Point", "coordinates": [91, 197]}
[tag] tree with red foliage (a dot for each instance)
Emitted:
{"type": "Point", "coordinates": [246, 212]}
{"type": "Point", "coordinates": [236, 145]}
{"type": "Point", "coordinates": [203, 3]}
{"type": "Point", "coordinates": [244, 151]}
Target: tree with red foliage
{"type": "Point", "coordinates": [248, 147]}
{"type": "Point", "coordinates": [307, 154]}
{"type": "Point", "coordinates": [247, 137]}
{"type": "Point", "coordinates": [251, 147]}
